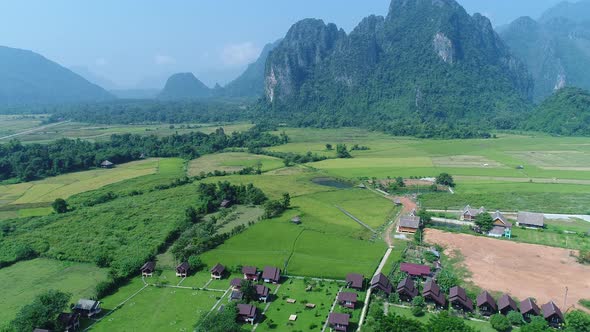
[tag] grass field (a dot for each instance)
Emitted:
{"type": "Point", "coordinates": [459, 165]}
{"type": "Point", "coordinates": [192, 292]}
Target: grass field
{"type": "Point", "coordinates": [22, 281]}
{"type": "Point", "coordinates": [12, 124]}
{"type": "Point", "coordinates": [232, 162]}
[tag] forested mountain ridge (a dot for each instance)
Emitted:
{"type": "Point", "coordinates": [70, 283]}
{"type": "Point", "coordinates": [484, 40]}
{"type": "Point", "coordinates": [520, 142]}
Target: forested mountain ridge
{"type": "Point", "coordinates": [184, 86]}
{"type": "Point", "coordinates": [28, 78]}
{"type": "Point", "coordinates": [567, 112]}
{"type": "Point", "coordinates": [428, 68]}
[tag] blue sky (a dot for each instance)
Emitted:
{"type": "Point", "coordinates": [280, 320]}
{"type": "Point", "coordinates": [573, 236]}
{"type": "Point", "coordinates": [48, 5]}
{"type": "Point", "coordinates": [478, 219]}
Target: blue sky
{"type": "Point", "coordinates": [131, 41]}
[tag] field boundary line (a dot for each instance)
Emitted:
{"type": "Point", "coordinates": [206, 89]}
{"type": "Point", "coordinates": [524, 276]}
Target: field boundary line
{"type": "Point", "coordinates": [355, 219]}
{"type": "Point", "coordinates": [34, 129]}
{"type": "Point", "coordinates": [117, 307]}
{"type": "Point", "coordinates": [292, 250]}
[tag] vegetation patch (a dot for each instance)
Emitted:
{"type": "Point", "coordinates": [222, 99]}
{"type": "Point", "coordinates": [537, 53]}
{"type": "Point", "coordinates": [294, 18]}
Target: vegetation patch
{"type": "Point", "coordinates": [232, 162]}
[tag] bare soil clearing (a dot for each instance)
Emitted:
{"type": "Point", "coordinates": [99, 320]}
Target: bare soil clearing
{"type": "Point", "coordinates": [522, 270]}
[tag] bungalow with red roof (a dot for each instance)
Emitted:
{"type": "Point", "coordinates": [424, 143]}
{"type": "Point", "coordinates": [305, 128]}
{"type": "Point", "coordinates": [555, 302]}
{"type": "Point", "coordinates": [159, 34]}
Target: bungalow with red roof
{"type": "Point", "coordinates": [355, 280]}
{"type": "Point", "coordinates": [217, 271]}
{"type": "Point", "coordinates": [415, 270]}
{"type": "Point", "coordinates": [338, 321]}
{"type": "Point", "coordinates": [262, 292]}
{"type": "Point", "coordinates": [432, 293]}
{"type": "Point", "coordinates": [506, 304]}
{"type": "Point", "coordinates": [486, 304]}
{"type": "Point", "coordinates": [528, 309]}
{"type": "Point", "coordinates": [87, 308]}
{"type": "Point", "coordinates": [347, 299]}
{"type": "Point", "coordinates": [459, 299]}
{"type": "Point", "coordinates": [271, 274]}
{"type": "Point", "coordinates": [250, 273]}
{"type": "Point", "coordinates": [247, 313]}
{"type": "Point", "coordinates": [147, 270]}
{"type": "Point", "coordinates": [236, 283]}
{"type": "Point", "coordinates": [406, 289]}
{"type": "Point", "coordinates": [69, 321]}
{"type": "Point", "coordinates": [552, 314]}
{"type": "Point", "coordinates": [469, 214]}
{"type": "Point", "coordinates": [382, 283]}
{"type": "Point", "coordinates": [182, 270]}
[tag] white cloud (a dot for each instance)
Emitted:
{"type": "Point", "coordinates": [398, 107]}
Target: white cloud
{"type": "Point", "coordinates": [239, 54]}
{"type": "Point", "coordinates": [101, 62]}
{"type": "Point", "coordinates": [164, 60]}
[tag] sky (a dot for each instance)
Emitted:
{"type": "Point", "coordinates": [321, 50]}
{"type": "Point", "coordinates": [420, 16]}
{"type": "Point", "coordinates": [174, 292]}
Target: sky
{"type": "Point", "coordinates": [139, 43]}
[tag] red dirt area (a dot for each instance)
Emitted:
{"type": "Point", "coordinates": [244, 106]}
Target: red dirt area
{"type": "Point", "coordinates": [519, 269]}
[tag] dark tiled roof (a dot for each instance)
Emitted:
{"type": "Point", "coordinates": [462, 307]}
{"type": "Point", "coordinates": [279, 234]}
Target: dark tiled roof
{"type": "Point", "coordinates": [458, 294]}
{"type": "Point", "coordinates": [432, 291]}
{"type": "Point", "coordinates": [529, 218]}
{"type": "Point", "coordinates": [236, 282]}
{"type": "Point", "coordinates": [409, 222]}
{"type": "Point", "coordinates": [236, 295]}
{"type": "Point", "coordinates": [530, 307]}
{"type": "Point", "coordinates": [218, 269]}
{"type": "Point", "coordinates": [506, 302]}
{"type": "Point", "coordinates": [380, 281]}
{"type": "Point", "coordinates": [84, 304]}
{"type": "Point", "coordinates": [337, 318]}
{"type": "Point", "coordinates": [262, 290]}
{"type": "Point", "coordinates": [499, 216]}
{"type": "Point", "coordinates": [473, 212]}
{"type": "Point", "coordinates": [347, 297]}
{"type": "Point", "coordinates": [271, 273]}
{"type": "Point", "coordinates": [415, 269]}
{"type": "Point", "coordinates": [106, 163]}
{"type": "Point", "coordinates": [497, 230]}
{"type": "Point", "coordinates": [407, 285]}
{"type": "Point", "coordinates": [149, 266]}
{"type": "Point", "coordinates": [486, 298]}
{"type": "Point", "coordinates": [183, 267]}
{"type": "Point", "coordinates": [355, 280]}
{"type": "Point", "coordinates": [249, 270]}
{"type": "Point", "coordinates": [550, 309]}
{"type": "Point", "coordinates": [246, 310]}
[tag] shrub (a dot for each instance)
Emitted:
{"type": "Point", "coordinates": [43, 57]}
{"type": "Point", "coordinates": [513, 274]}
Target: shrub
{"type": "Point", "coordinates": [515, 318]}
{"type": "Point", "coordinates": [500, 323]}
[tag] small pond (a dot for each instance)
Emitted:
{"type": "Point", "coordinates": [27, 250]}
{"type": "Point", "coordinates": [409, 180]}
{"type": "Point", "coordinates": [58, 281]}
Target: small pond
{"type": "Point", "coordinates": [331, 182]}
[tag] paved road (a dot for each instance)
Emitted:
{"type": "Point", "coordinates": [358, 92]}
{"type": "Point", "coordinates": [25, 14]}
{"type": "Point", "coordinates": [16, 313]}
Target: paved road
{"type": "Point", "coordinates": [584, 217]}
{"type": "Point", "coordinates": [32, 130]}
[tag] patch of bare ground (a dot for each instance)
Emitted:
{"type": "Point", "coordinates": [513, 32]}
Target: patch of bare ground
{"type": "Point", "coordinates": [522, 270]}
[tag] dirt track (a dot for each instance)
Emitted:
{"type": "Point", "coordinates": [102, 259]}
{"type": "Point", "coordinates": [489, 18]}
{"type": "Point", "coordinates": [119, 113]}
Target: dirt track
{"type": "Point", "coordinates": [522, 270]}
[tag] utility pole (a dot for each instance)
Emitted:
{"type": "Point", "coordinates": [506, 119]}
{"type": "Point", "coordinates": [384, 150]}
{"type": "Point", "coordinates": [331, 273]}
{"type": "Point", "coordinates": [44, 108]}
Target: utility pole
{"type": "Point", "coordinates": [565, 299]}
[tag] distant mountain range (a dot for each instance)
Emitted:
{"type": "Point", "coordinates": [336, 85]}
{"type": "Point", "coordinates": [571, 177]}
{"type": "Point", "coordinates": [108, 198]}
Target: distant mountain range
{"type": "Point", "coordinates": [184, 86]}
{"type": "Point", "coordinates": [29, 78]}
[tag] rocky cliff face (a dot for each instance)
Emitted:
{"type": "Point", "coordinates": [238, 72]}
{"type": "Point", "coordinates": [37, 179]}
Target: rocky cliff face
{"type": "Point", "coordinates": [426, 57]}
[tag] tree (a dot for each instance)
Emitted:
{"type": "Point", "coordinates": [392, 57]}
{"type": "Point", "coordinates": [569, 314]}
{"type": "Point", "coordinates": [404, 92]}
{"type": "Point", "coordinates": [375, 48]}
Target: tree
{"type": "Point", "coordinates": [485, 222]}
{"type": "Point", "coordinates": [192, 215]}
{"type": "Point", "coordinates": [444, 322]}
{"type": "Point", "coordinates": [42, 312]}
{"type": "Point", "coordinates": [220, 320]}
{"type": "Point", "coordinates": [329, 147]}
{"type": "Point", "coordinates": [395, 323]}
{"type": "Point", "coordinates": [286, 200]}
{"type": "Point", "coordinates": [577, 321]}
{"type": "Point", "coordinates": [425, 216]}
{"type": "Point", "coordinates": [195, 263]}
{"type": "Point", "coordinates": [445, 179]}
{"type": "Point", "coordinates": [400, 182]}
{"type": "Point", "coordinates": [515, 318]}
{"type": "Point", "coordinates": [60, 206]}
{"type": "Point", "coordinates": [537, 324]}
{"type": "Point", "coordinates": [418, 306]}
{"type": "Point", "coordinates": [500, 323]}
{"type": "Point", "coordinates": [447, 280]}
{"type": "Point", "coordinates": [392, 187]}
{"type": "Point", "coordinates": [342, 151]}
{"type": "Point", "coordinates": [248, 291]}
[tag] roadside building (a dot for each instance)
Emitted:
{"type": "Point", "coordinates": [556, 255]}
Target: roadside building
{"type": "Point", "coordinates": [381, 283]}
{"type": "Point", "coordinates": [408, 224]}
{"type": "Point", "coordinates": [355, 281]}
{"type": "Point", "coordinates": [531, 220]}
{"type": "Point", "coordinates": [271, 274]}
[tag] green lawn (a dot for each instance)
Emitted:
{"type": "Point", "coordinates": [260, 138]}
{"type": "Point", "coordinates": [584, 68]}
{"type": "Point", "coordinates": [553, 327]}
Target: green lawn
{"type": "Point", "coordinates": [22, 281]}
{"type": "Point", "coordinates": [232, 162]}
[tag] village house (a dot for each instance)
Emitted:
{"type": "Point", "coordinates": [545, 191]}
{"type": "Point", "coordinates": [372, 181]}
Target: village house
{"type": "Point", "coordinates": [338, 321]}
{"type": "Point", "coordinates": [182, 270]}
{"type": "Point", "coordinates": [382, 283]}
{"type": "Point", "coordinates": [87, 308]}
{"type": "Point", "coordinates": [271, 274]}
{"type": "Point", "coordinates": [432, 293]}
{"type": "Point", "coordinates": [408, 224]}
{"type": "Point", "coordinates": [347, 299]}
{"type": "Point", "coordinates": [247, 313]}
{"type": "Point", "coordinates": [250, 273]}
{"type": "Point", "coordinates": [236, 296]}
{"type": "Point", "coordinates": [531, 220]}
{"type": "Point", "coordinates": [262, 292]}
{"type": "Point", "coordinates": [506, 304]}
{"type": "Point", "coordinates": [107, 164]}
{"type": "Point", "coordinates": [69, 321]}
{"type": "Point", "coordinates": [296, 220]}
{"type": "Point", "coordinates": [552, 314]}
{"type": "Point", "coordinates": [469, 214]}
{"type": "Point", "coordinates": [355, 281]}
{"type": "Point", "coordinates": [147, 270]}
{"type": "Point", "coordinates": [415, 270]}
{"type": "Point", "coordinates": [486, 304]}
{"type": "Point", "coordinates": [236, 283]}
{"type": "Point", "coordinates": [528, 309]}
{"type": "Point", "coordinates": [217, 271]}
{"type": "Point", "coordinates": [502, 227]}
{"type": "Point", "coordinates": [459, 299]}
{"type": "Point", "coordinates": [406, 289]}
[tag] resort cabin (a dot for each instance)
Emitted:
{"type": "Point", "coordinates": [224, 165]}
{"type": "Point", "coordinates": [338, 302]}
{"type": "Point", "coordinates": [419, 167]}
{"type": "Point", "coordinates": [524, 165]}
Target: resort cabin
{"type": "Point", "coordinates": [406, 289]}
{"type": "Point", "coordinates": [217, 271]}
{"type": "Point", "coordinates": [182, 270]}
{"type": "Point", "coordinates": [469, 214]}
{"type": "Point", "coordinates": [339, 322]}
{"type": "Point", "coordinates": [236, 296]}
{"type": "Point", "coordinates": [502, 227]}
{"type": "Point", "coordinates": [397, 202]}
{"type": "Point", "coordinates": [409, 224]}
{"type": "Point", "coordinates": [506, 304]}
{"type": "Point", "coordinates": [432, 293]}
{"type": "Point", "coordinates": [250, 273]}
{"type": "Point", "coordinates": [69, 321]}
{"type": "Point", "coordinates": [296, 220]}
{"type": "Point", "coordinates": [415, 270]}
{"type": "Point", "coordinates": [225, 203]}
{"type": "Point", "coordinates": [528, 309]}
{"type": "Point", "coordinates": [147, 270]}
{"type": "Point", "coordinates": [262, 292]}
{"type": "Point", "coordinates": [236, 283]}
{"type": "Point", "coordinates": [486, 304]}
{"type": "Point", "coordinates": [552, 314]}
{"type": "Point", "coordinates": [381, 283]}
{"type": "Point", "coordinates": [355, 281]}
{"type": "Point", "coordinates": [107, 164]}
{"type": "Point", "coordinates": [271, 274]}
{"type": "Point", "coordinates": [459, 300]}
{"type": "Point", "coordinates": [347, 299]}
{"type": "Point", "coordinates": [87, 308]}
{"type": "Point", "coordinates": [531, 220]}
{"type": "Point", "coordinates": [247, 313]}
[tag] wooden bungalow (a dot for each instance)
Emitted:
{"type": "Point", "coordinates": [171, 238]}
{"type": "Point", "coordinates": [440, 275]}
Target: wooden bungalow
{"type": "Point", "coordinates": [415, 270]}
{"type": "Point", "coordinates": [469, 214]}
{"type": "Point", "coordinates": [486, 304]}
{"type": "Point", "coordinates": [531, 220]}
{"type": "Point", "coordinates": [506, 304]}
{"type": "Point", "coordinates": [147, 270]}
{"type": "Point", "coordinates": [262, 292]}
{"type": "Point", "coordinates": [408, 224]}
{"type": "Point", "coordinates": [552, 314]}
{"type": "Point", "coordinates": [355, 281]}
{"type": "Point", "coordinates": [107, 164]}
{"type": "Point", "coordinates": [381, 283]}
{"type": "Point", "coordinates": [528, 309]}
{"type": "Point", "coordinates": [247, 313]}
{"type": "Point", "coordinates": [250, 273]}
{"type": "Point", "coordinates": [217, 271]}
{"type": "Point", "coordinates": [502, 227]}
{"type": "Point", "coordinates": [397, 202]}
{"type": "Point", "coordinates": [406, 289]}
{"type": "Point", "coordinates": [271, 274]}
{"type": "Point", "coordinates": [459, 300]}
{"type": "Point", "coordinates": [338, 321]}
{"type": "Point", "coordinates": [433, 294]}
{"type": "Point", "coordinates": [236, 296]}
{"type": "Point", "coordinates": [236, 283]}
{"type": "Point", "coordinates": [69, 321]}
{"type": "Point", "coordinates": [347, 299]}
{"type": "Point", "coordinates": [87, 308]}
{"type": "Point", "coordinates": [182, 270]}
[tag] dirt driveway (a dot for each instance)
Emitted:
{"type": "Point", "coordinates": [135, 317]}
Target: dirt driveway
{"type": "Point", "coordinates": [522, 270]}
{"type": "Point", "coordinates": [408, 206]}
